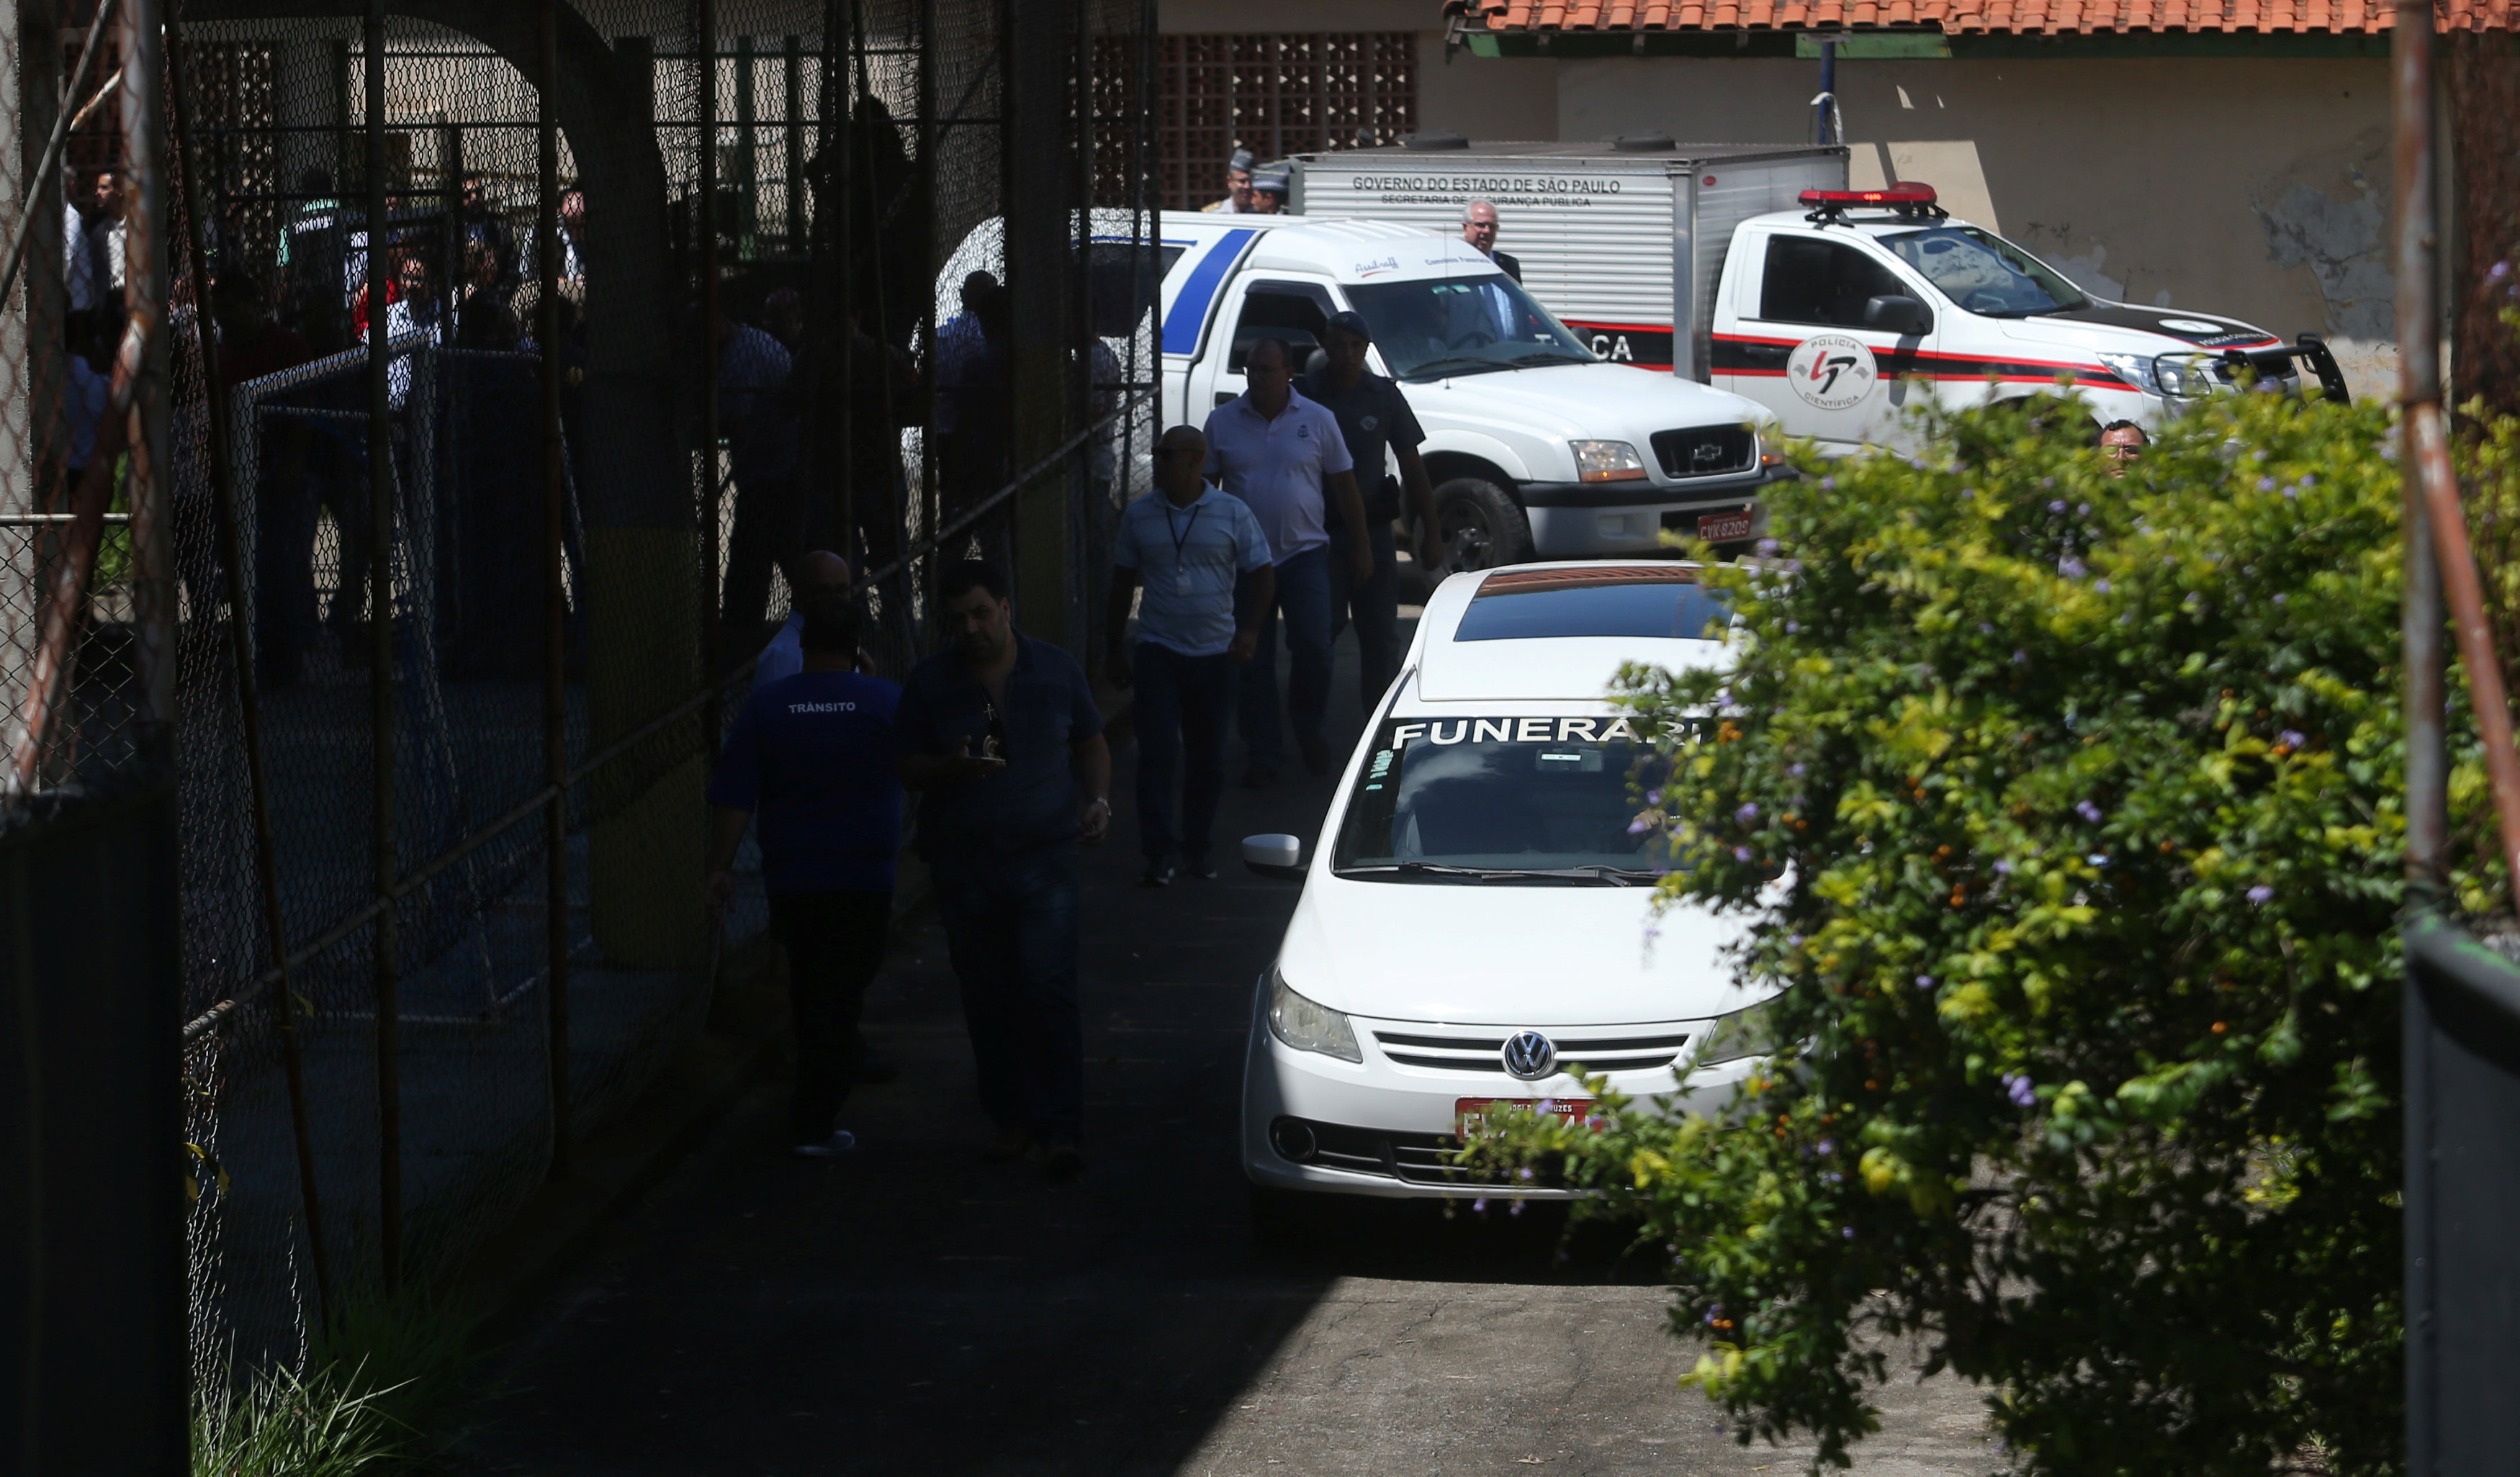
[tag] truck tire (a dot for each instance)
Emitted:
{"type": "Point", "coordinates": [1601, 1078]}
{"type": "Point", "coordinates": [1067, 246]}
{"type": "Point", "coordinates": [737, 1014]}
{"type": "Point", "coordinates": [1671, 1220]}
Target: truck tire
{"type": "Point", "coordinates": [1484, 525]}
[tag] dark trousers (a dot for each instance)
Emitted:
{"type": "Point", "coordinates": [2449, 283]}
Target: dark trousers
{"type": "Point", "coordinates": [1303, 597]}
{"type": "Point", "coordinates": [769, 531]}
{"type": "Point", "coordinates": [1182, 707]}
{"type": "Point", "coordinates": [1010, 928]}
{"type": "Point", "coordinates": [1374, 606]}
{"type": "Point", "coordinates": [835, 942]}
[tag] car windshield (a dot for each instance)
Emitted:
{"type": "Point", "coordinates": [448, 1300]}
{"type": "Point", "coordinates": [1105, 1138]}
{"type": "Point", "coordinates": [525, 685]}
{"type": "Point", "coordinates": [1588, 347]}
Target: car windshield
{"type": "Point", "coordinates": [1498, 799]}
{"type": "Point", "coordinates": [1984, 274]}
{"type": "Point", "coordinates": [1463, 326]}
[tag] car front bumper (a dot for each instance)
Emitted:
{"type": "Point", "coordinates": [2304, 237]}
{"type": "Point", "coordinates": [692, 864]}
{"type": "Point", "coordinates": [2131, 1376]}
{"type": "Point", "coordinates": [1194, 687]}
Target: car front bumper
{"type": "Point", "coordinates": [1384, 1130]}
{"type": "Point", "coordinates": [1589, 520]}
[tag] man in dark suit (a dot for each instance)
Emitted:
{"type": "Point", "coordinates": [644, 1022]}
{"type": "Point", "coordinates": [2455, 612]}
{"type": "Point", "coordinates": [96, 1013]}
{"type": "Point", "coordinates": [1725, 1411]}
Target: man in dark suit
{"type": "Point", "coordinates": [1479, 229]}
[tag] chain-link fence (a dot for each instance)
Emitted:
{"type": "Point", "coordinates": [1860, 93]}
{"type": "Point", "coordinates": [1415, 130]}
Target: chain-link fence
{"type": "Point", "coordinates": [491, 436]}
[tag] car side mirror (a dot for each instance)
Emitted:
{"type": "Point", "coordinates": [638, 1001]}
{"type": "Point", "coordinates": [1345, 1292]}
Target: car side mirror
{"type": "Point", "coordinates": [1898, 314]}
{"type": "Point", "coordinates": [1280, 857]}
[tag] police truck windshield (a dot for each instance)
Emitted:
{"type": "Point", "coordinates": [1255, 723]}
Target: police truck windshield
{"type": "Point", "coordinates": [1463, 326]}
{"type": "Point", "coordinates": [1498, 799]}
{"type": "Point", "coordinates": [1986, 274]}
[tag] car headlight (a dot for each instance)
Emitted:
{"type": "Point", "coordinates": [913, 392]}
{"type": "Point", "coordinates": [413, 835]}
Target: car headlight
{"type": "Point", "coordinates": [2135, 370]}
{"type": "Point", "coordinates": [1307, 1026]}
{"type": "Point", "coordinates": [2187, 376]}
{"type": "Point", "coordinates": [1750, 1032]}
{"type": "Point", "coordinates": [1607, 462]}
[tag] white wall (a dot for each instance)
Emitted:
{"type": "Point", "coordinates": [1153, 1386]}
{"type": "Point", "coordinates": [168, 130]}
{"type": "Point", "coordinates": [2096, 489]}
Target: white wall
{"type": "Point", "coordinates": [2254, 187]}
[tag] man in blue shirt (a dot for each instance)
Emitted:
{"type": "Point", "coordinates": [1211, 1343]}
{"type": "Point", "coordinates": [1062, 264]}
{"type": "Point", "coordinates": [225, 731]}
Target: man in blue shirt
{"type": "Point", "coordinates": [813, 757]}
{"type": "Point", "coordinates": [1001, 734]}
{"type": "Point", "coordinates": [824, 573]}
{"type": "Point", "coordinates": [1188, 543]}
{"type": "Point", "coordinates": [1283, 456]}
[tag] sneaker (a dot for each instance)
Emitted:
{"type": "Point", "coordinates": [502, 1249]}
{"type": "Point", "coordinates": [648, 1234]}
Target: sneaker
{"type": "Point", "coordinates": [1012, 1144]}
{"type": "Point", "coordinates": [1198, 867]}
{"type": "Point", "coordinates": [1317, 754]}
{"type": "Point", "coordinates": [1066, 1162]}
{"type": "Point", "coordinates": [841, 1142]}
{"type": "Point", "coordinates": [1157, 874]}
{"type": "Point", "coordinates": [1260, 777]}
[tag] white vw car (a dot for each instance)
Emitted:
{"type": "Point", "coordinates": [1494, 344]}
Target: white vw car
{"type": "Point", "coordinates": [1477, 921]}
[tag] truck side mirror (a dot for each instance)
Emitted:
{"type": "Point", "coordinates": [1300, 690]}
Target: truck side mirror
{"type": "Point", "coordinates": [1898, 314]}
{"type": "Point", "coordinates": [1279, 856]}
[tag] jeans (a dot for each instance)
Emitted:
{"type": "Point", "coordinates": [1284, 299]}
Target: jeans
{"type": "Point", "coordinates": [1375, 607]}
{"type": "Point", "coordinates": [1011, 930]}
{"type": "Point", "coordinates": [1303, 597]}
{"type": "Point", "coordinates": [1182, 706]}
{"type": "Point", "coordinates": [769, 531]}
{"type": "Point", "coordinates": [835, 942]}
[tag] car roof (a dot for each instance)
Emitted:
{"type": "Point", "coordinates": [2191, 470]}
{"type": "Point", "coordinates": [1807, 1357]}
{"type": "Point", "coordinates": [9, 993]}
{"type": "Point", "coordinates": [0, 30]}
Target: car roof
{"type": "Point", "coordinates": [1339, 248]}
{"type": "Point", "coordinates": [1530, 660]}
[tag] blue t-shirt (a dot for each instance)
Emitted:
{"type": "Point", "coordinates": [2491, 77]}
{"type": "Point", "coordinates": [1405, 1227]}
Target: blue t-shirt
{"type": "Point", "coordinates": [1031, 803]}
{"type": "Point", "coordinates": [812, 757]}
{"type": "Point", "coordinates": [1186, 560]}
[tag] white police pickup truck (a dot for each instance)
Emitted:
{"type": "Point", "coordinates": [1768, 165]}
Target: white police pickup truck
{"type": "Point", "coordinates": [1753, 268]}
{"type": "Point", "coordinates": [1537, 446]}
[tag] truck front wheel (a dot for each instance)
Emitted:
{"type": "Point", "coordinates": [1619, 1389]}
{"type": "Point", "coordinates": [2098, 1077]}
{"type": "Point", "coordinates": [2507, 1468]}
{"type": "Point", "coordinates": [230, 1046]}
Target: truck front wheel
{"type": "Point", "coordinates": [1484, 525]}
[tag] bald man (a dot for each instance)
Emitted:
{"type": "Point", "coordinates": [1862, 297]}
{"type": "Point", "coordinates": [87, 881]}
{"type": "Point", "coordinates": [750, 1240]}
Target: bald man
{"type": "Point", "coordinates": [785, 657]}
{"type": "Point", "coordinates": [1479, 229]}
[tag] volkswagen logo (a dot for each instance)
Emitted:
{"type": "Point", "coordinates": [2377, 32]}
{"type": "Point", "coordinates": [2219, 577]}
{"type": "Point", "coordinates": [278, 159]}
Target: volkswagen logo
{"type": "Point", "coordinates": [1530, 1056]}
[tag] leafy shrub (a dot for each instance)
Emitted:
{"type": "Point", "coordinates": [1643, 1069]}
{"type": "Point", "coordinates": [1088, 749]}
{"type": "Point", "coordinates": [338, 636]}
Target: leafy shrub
{"type": "Point", "coordinates": [2088, 795]}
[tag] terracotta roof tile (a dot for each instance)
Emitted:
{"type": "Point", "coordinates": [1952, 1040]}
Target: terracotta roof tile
{"type": "Point", "coordinates": [2037, 17]}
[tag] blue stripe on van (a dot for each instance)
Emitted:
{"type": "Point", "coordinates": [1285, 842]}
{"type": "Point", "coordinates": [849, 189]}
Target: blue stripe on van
{"type": "Point", "coordinates": [1198, 290]}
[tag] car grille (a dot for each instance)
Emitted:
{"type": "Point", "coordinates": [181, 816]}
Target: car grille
{"type": "Point", "coordinates": [1709, 451]}
{"type": "Point", "coordinates": [1482, 1052]}
{"type": "Point", "coordinates": [1412, 1158]}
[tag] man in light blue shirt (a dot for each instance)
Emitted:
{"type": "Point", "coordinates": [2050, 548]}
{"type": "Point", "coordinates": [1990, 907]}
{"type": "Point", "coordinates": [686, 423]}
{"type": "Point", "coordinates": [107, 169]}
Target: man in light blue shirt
{"type": "Point", "coordinates": [1283, 456]}
{"type": "Point", "coordinates": [1185, 544]}
{"type": "Point", "coordinates": [785, 657]}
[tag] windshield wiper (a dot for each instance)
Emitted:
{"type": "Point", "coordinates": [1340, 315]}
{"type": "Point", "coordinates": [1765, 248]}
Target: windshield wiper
{"type": "Point", "coordinates": [1551, 356]}
{"type": "Point", "coordinates": [1614, 877]}
{"type": "Point", "coordinates": [1435, 369]}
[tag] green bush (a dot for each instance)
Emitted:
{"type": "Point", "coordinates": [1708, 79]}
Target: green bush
{"type": "Point", "coordinates": [2088, 792]}
{"type": "Point", "coordinates": [283, 1424]}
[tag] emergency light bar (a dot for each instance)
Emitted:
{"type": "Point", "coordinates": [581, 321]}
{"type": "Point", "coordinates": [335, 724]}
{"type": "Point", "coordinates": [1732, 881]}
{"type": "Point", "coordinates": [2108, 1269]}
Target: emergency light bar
{"type": "Point", "coordinates": [1904, 192]}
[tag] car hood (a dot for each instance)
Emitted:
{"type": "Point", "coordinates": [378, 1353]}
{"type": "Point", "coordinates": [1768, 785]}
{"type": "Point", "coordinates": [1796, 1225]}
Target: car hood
{"type": "Point", "coordinates": [1492, 954]}
{"type": "Point", "coordinates": [2123, 329]}
{"type": "Point", "coordinates": [1577, 401]}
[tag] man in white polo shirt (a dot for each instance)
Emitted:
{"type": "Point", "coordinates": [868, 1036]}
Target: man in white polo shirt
{"type": "Point", "coordinates": [1187, 544]}
{"type": "Point", "coordinates": [1282, 455]}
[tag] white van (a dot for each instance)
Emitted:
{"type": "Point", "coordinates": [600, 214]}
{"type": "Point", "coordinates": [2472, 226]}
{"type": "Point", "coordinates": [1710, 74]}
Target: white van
{"type": "Point", "coordinates": [1478, 918]}
{"type": "Point", "coordinates": [1756, 269]}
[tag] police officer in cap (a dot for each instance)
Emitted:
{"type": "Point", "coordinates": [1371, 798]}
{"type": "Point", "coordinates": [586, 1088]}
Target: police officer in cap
{"type": "Point", "coordinates": [1373, 415]}
{"type": "Point", "coordinates": [1270, 184]}
{"type": "Point", "coordinates": [1237, 187]}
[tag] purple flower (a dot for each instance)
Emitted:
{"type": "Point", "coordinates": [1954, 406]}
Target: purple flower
{"type": "Point", "coordinates": [2309, 479]}
{"type": "Point", "coordinates": [2260, 893]}
{"type": "Point", "coordinates": [2291, 737]}
{"type": "Point", "coordinates": [1547, 1105]}
{"type": "Point", "coordinates": [1924, 982]}
{"type": "Point", "coordinates": [2265, 484]}
{"type": "Point", "coordinates": [2003, 868]}
{"type": "Point", "coordinates": [1968, 493]}
{"type": "Point", "coordinates": [1748, 812]}
{"type": "Point", "coordinates": [2280, 600]}
{"type": "Point", "coordinates": [1828, 484]}
{"type": "Point", "coordinates": [1793, 940]}
{"type": "Point", "coordinates": [1916, 464]}
{"type": "Point", "coordinates": [1639, 826]}
{"type": "Point", "coordinates": [2100, 585]}
{"type": "Point", "coordinates": [1794, 566]}
{"type": "Point", "coordinates": [1849, 1232]}
{"type": "Point", "coordinates": [1526, 1172]}
{"type": "Point", "coordinates": [2071, 567]}
{"type": "Point", "coordinates": [1515, 1209]}
{"type": "Point", "coordinates": [2500, 271]}
{"type": "Point", "coordinates": [1792, 627]}
{"type": "Point", "coordinates": [2017, 1088]}
{"type": "Point", "coordinates": [2050, 482]}
{"type": "Point", "coordinates": [2088, 811]}
{"type": "Point", "coordinates": [2020, 657]}
{"type": "Point", "coordinates": [1985, 628]}
{"type": "Point", "coordinates": [1795, 769]}
{"type": "Point", "coordinates": [1741, 853]}
{"type": "Point", "coordinates": [1481, 1204]}
{"type": "Point", "coordinates": [2057, 506]}
{"type": "Point", "coordinates": [2292, 492]}
{"type": "Point", "coordinates": [1768, 546]}
{"type": "Point", "coordinates": [1827, 1147]}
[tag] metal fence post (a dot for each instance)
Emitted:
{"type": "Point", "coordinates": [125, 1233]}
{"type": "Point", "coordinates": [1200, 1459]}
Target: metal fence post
{"type": "Point", "coordinates": [151, 473]}
{"type": "Point", "coordinates": [381, 672]}
{"type": "Point", "coordinates": [267, 849]}
{"type": "Point", "coordinates": [554, 591]}
{"type": "Point", "coordinates": [712, 636]}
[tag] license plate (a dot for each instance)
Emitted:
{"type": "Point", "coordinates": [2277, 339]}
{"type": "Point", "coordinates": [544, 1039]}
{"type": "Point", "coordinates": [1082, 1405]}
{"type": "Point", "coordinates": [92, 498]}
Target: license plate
{"type": "Point", "coordinates": [1468, 1111]}
{"type": "Point", "coordinates": [1724, 528]}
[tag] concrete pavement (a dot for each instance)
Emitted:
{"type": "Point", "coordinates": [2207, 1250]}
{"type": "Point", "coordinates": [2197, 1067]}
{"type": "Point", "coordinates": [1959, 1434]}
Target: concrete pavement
{"type": "Point", "coordinates": [910, 1309]}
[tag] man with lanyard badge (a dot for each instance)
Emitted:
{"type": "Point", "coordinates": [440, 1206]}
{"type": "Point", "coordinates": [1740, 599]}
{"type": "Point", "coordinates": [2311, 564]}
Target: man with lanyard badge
{"type": "Point", "coordinates": [1373, 414]}
{"type": "Point", "coordinates": [1188, 543]}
